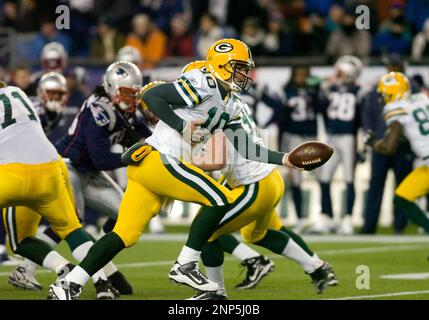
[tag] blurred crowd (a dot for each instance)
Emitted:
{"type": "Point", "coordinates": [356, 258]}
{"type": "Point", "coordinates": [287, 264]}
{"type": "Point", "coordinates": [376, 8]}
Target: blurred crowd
{"type": "Point", "coordinates": [186, 28]}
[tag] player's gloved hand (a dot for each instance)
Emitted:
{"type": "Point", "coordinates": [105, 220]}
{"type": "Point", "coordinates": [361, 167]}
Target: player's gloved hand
{"type": "Point", "coordinates": [369, 138]}
{"type": "Point", "coordinates": [288, 164]}
{"type": "Point", "coordinates": [193, 133]}
{"type": "Point", "coordinates": [130, 137]}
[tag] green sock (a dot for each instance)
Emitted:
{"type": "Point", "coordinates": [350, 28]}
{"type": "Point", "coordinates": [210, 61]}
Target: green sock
{"type": "Point", "coordinates": [103, 251]}
{"type": "Point", "coordinates": [34, 249]}
{"type": "Point", "coordinates": [274, 240]}
{"type": "Point", "coordinates": [228, 243]}
{"type": "Point", "coordinates": [212, 254]}
{"type": "Point", "coordinates": [412, 211]}
{"type": "Point", "coordinates": [204, 225]}
{"type": "Point", "coordinates": [77, 237]}
{"type": "Point", "coordinates": [300, 241]}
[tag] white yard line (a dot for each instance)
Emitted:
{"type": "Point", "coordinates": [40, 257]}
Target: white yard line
{"type": "Point", "coordinates": [383, 295]}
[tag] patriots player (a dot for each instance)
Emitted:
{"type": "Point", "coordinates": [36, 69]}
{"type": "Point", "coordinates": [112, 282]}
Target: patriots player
{"type": "Point", "coordinates": [190, 110]}
{"type": "Point", "coordinates": [340, 106]}
{"type": "Point", "coordinates": [406, 115]}
{"type": "Point", "coordinates": [300, 101]}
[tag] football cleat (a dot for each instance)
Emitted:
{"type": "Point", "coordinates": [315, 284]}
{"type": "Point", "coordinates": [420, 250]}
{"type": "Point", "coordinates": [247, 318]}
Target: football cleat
{"type": "Point", "coordinates": [105, 290]}
{"type": "Point", "coordinates": [320, 277]}
{"type": "Point", "coordinates": [64, 290]}
{"type": "Point", "coordinates": [210, 295]}
{"type": "Point", "coordinates": [22, 278]}
{"type": "Point", "coordinates": [257, 268]}
{"type": "Point", "coordinates": [346, 226]}
{"type": "Point", "coordinates": [120, 283]}
{"type": "Point", "coordinates": [332, 277]}
{"type": "Point", "coordinates": [189, 274]}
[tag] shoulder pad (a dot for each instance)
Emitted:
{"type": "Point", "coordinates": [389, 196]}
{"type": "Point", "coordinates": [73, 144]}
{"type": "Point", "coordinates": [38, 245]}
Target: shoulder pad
{"type": "Point", "coordinates": [103, 114]}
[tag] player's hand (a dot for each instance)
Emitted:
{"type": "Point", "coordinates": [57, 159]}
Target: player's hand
{"type": "Point", "coordinates": [288, 164]}
{"type": "Point", "coordinates": [369, 138]}
{"type": "Point", "coordinates": [193, 132]}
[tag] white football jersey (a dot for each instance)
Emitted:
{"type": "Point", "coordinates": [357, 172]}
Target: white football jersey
{"type": "Point", "coordinates": [22, 139]}
{"type": "Point", "coordinates": [413, 114]}
{"type": "Point", "coordinates": [239, 170]}
{"type": "Point", "coordinates": [204, 102]}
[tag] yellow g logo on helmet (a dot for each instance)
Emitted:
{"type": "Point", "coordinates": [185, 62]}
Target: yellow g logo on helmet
{"type": "Point", "coordinates": [393, 86]}
{"type": "Point", "coordinates": [229, 60]}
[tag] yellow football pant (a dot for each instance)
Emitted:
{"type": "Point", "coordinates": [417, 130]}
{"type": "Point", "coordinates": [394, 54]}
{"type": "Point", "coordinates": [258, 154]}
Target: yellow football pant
{"type": "Point", "coordinates": [415, 185]}
{"type": "Point", "coordinates": [253, 211]}
{"type": "Point", "coordinates": [156, 178]}
{"type": "Point", "coordinates": [37, 190]}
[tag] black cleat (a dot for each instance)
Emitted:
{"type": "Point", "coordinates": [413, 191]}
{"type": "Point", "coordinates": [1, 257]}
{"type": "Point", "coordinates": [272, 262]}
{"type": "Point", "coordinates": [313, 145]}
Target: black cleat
{"type": "Point", "coordinates": [257, 268]}
{"type": "Point", "coordinates": [105, 290]}
{"type": "Point", "coordinates": [332, 277]}
{"type": "Point", "coordinates": [320, 277]}
{"type": "Point", "coordinates": [120, 283]}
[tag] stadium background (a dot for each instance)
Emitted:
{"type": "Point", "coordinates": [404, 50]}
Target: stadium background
{"type": "Point", "coordinates": [280, 33]}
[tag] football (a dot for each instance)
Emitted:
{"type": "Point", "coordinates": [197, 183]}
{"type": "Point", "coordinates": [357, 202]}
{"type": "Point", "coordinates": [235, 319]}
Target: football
{"type": "Point", "coordinates": [310, 155]}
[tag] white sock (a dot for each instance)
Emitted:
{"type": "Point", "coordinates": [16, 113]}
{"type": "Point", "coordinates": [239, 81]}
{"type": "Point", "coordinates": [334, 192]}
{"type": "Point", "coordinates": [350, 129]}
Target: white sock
{"type": "Point", "coordinates": [78, 275]}
{"type": "Point", "coordinates": [296, 253]}
{"type": "Point", "coordinates": [80, 253]}
{"type": "Point", "coordinates": [47, 239]}
{"type": "Point", "coordinates": [188, 255]}
{"type": "Point", "coordinates": [243, 252]}
{"type": "Point", "coordinates": [109, 269]}
{"type": "Point", "coordinates": [215, 274]}
{"type": "Point", "coordinates": [2, 248]}
{"type": "Point", "coordinates": [54, 261]}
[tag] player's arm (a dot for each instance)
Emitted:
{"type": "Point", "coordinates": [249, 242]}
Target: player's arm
{"type": "Point", "coordinates": [390, 142]}
{"type": "Point", "coordinates": [98, 145]}
{"type": "Point", "coordinates": [161, 100]}
{"type": "Point", "coordinates": [250, 150]}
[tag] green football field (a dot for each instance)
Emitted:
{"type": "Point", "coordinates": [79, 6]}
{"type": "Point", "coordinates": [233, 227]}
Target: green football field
{"type": "Point", "coordinates": [397, 269]}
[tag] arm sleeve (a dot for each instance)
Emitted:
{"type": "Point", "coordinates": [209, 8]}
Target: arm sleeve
{"type": "Point", "coordinates": [250, 150]}
{"type": "Point", "coordinates": [161, 100]}
{"type": "Point", "coordinates": [98, 145]}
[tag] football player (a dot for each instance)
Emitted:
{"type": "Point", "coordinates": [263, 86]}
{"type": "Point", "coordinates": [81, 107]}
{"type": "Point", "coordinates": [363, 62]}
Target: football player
{"type": "Point", "coordinates": [35, 177]}
{"type": "Point", "coordinates": [50, 106]}
{"type": "Point", "coordinates": [257, 189]}
{"type": "Point", "coordinates": [257, 265]}
{"type": "Point", "coordinates": [340, 105]}
{"type": "Point", "coordinates": [190, 110]}
{"type": "Point", "coordinates": [406, 115]}
{"type": "Point", "coordinates": [300, 100]}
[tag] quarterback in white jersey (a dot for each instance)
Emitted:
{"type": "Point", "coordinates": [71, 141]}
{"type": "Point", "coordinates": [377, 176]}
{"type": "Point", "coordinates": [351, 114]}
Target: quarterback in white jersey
{"type": "Point", "coordinates": [406, 115]}
{"type": "Point", "coordinates": [189, 109]}
{"type": "Point", "coordinates": [200, 91]}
